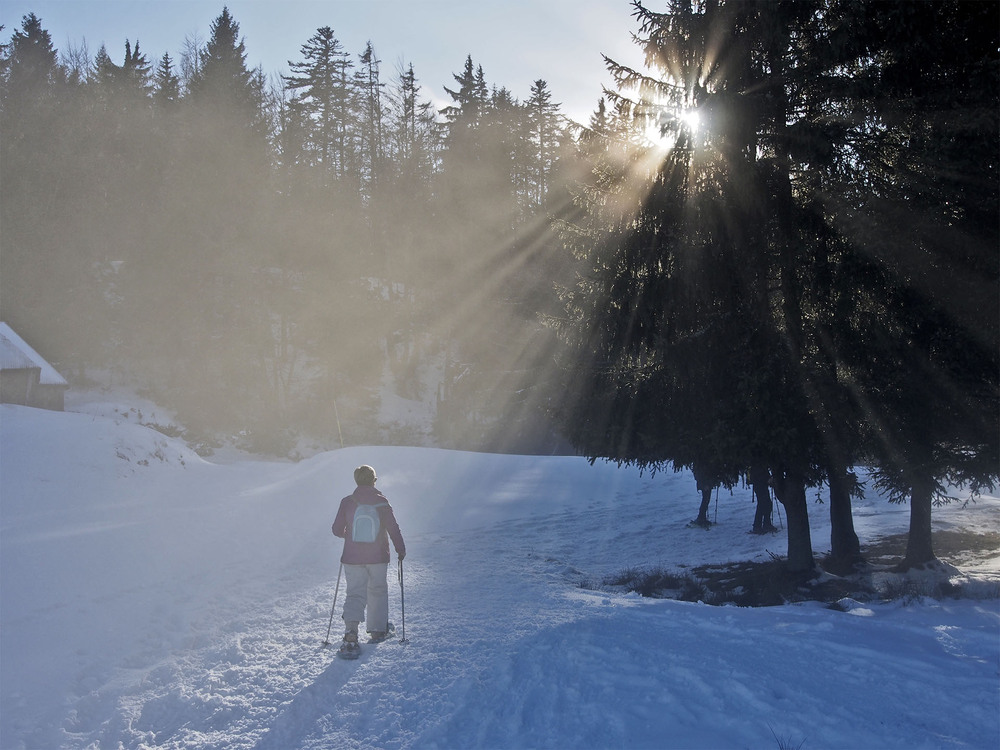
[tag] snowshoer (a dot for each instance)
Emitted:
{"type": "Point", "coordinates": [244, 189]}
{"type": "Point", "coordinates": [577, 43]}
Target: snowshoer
{"type": "Point", "coordinates": [366, 523]}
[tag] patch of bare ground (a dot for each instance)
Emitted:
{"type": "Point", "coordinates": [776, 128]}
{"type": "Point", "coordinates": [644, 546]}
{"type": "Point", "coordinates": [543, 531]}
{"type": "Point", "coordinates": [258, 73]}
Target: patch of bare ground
{"type": "Point", "coordinates": [877, 577]}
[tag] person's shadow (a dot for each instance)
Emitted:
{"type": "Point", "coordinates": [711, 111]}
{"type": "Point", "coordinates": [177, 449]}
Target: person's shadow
{"type": "Point", "coordinates": [299, 719]}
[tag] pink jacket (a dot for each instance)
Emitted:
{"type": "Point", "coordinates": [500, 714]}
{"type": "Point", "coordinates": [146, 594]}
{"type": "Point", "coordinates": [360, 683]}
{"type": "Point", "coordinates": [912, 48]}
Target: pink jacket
{"type": "Point", "coordinates": [359, 553]}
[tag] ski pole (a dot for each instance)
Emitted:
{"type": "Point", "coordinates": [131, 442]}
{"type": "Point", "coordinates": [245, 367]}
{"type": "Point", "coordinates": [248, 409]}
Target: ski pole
{"type": "Point", "coordinates": [402, 602]}
{"type": "Point", "coordinates": [334, 607]}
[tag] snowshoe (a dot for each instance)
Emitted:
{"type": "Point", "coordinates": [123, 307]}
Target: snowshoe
{"type": "Point", "coordinates": [377, 636]}
{"type": "Point", "coordinates": [349, 647]}
{"type": "Point", "coordinates": [700, 523]}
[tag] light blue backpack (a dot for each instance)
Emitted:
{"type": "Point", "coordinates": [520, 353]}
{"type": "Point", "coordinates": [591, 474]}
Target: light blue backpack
{"type": "Point", "coordinates": [367, 524]}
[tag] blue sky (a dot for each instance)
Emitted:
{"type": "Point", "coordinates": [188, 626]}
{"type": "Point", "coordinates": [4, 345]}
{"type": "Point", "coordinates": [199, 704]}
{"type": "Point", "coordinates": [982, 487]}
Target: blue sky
{"type": "Point", "coordinates": [515, 41]}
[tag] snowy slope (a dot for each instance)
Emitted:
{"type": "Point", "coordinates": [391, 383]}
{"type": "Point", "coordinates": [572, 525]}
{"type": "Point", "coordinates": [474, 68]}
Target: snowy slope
{"type": "Point", "coordinates": [149, 598]}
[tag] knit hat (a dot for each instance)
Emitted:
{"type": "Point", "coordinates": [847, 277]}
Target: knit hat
{"type": "Point", "coordinates": [364, 476]}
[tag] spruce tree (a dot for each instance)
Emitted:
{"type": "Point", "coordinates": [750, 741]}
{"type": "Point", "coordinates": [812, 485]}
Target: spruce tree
{"type": "Point", "coordinates": [699, 360]}
{"type": "Point", "coordinates": [464, 115]}
{"type": "Point", "coordinates": [123, 87]}
{"type": "Point", "coordinates": [222, 81]}
{"type": "Point", "coordinates": [372, 116]}
{"type": "Point", "coordinates": [924, 351]}
{"type": "Point", "coordinates": [324, 93]}
{"type": "Point", "coordinates": [30, 64]}
{"type": "Point", "coordinates": [413, 140]}
{"type": "Point", "coordinates": [166, 84]}
{"type": "Point", "coordinates": [543, 124]}
{"type": "Point", "coordinates": [412, 143]}
{"type": "Point", "coordinates": [39, 277]}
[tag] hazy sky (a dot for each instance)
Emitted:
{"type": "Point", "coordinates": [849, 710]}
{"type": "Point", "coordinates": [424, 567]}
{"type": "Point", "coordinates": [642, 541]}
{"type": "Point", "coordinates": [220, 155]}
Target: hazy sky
{"type": "Point", "coordinates": [515, 41]}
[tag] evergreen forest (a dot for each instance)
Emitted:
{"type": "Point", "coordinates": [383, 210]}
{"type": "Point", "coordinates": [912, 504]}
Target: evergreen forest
{"type": "Point", "coordinates": [769, 257]}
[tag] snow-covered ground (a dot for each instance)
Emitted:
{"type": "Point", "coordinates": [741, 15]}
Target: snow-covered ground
{"type": "Point", "coordinates": [150, 598]}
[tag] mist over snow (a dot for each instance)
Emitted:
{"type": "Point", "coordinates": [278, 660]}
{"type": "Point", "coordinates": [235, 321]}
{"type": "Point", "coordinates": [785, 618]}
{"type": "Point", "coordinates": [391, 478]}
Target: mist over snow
{"type": "Point", "coordinates": [151, 598]}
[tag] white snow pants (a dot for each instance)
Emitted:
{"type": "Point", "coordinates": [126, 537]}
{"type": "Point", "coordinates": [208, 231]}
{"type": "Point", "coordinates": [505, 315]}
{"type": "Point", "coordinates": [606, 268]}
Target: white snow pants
{"type": "Point", "coordinates": [366, 584]}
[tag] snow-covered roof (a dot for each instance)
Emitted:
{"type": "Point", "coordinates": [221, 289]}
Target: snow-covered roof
{"type": "Point", "coordinates": [15, 354]}
{"type": "Point", "coordinates": [12, 358]}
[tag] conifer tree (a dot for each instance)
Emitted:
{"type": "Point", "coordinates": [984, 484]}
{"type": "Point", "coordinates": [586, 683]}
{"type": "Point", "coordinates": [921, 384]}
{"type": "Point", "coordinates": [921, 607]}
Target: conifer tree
{"type": "Point", "coordinates": [200, 266]}
{"type": "Point", "coordinates": [543, 122]}
{"type": "Point", "coordinates": [759, 309]}
{"type": "Point", "coordinates": [30, 63]}
{"type": "Point", "coordinates": [222, 80]}
{"type": "Point", "coordinates": [922, 315]}
{"type": "Point", "coordinates": [461, 181]}
{"type": "Point", "coordinates": [412, 127]}
{"type": "Point", "coordinates": [37, 275]}
{"type": "Point", "coordinates": [412, 149]}
{"type": "Point", "coordinates": [372, 116]}
{"type": "Point", "coordinates": [464, 115]}
{"type": "Point", "coordinates": [166, 84]}
{"type": "Point", "coordinates": [697, 362]}
{"type": "Point", "coordinates": [126, 86]}
{"type": "Point", "coordinates": [321, 82]}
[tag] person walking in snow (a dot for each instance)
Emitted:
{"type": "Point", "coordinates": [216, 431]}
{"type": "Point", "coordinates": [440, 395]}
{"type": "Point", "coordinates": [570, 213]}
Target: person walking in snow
{"type": "Point", "coordinates": [366, 523]}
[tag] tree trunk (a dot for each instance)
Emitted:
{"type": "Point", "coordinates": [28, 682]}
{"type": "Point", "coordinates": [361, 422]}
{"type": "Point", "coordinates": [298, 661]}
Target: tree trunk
{"type": "Point", "coordinates": [919, 547]}
{"type": "Point", "coordinates": [845, 548]}
{"type": "Point", "coordinates": [762, 523]}
{"type": "Point", "coordinates": [791, 492]}
{"type": "Point", "coordinates": [706, 499]}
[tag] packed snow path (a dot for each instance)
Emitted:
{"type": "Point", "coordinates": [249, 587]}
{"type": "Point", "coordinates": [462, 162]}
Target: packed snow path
{"type": "Point", "coordinates": [155, 600]}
